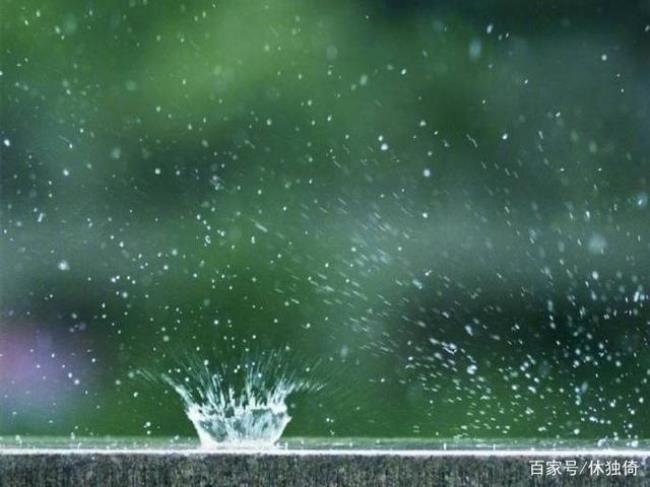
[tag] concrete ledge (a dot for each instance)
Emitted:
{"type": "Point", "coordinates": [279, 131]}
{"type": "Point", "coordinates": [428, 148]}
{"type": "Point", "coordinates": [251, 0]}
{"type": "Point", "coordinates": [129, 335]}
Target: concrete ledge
{"type": "Point", "coordinates": [62, 468]}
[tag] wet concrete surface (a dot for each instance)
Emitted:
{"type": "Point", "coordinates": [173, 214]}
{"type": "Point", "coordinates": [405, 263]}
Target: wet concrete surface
{"type": "Point", "coordinates": [310, 467]}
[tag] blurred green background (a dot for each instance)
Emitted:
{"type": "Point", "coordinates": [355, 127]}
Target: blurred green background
{"type": "Point", "coordinates": [443, 204]}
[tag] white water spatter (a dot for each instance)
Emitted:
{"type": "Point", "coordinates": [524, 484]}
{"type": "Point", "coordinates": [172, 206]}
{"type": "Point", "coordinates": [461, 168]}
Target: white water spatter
{"type": "Point", "coordinates": [240, 407]}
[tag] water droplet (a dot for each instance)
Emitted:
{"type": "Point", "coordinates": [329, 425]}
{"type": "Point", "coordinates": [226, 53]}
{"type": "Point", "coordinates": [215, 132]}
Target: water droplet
{"type": "Point", "coordinates": [475, 48]}
{"type": "Point", "coordinates": [597, 244]}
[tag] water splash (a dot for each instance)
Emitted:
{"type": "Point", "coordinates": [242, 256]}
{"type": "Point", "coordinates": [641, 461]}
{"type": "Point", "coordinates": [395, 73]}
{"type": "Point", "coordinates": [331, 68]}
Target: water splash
{"type": "Point", "coordinates": [244, 406]}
